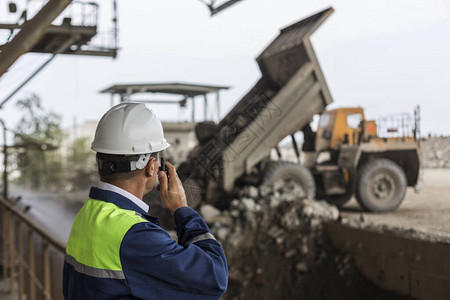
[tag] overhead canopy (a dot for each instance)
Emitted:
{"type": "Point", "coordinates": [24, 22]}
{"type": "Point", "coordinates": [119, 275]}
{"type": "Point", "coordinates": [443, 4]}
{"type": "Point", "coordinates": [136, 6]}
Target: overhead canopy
{"type": "Point", "coordinates": [185, 89]}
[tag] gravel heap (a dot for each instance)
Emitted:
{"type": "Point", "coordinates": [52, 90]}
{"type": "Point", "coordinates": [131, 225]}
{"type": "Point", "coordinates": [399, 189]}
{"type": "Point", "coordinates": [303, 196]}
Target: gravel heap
{"type": "Point", "coordinates": [436, 152]}
{"type": "Point", "coordinates": [276, 247]}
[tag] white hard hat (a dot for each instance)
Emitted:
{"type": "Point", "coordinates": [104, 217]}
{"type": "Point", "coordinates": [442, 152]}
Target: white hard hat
{"type": "Point", "coordinates": [129, 128]}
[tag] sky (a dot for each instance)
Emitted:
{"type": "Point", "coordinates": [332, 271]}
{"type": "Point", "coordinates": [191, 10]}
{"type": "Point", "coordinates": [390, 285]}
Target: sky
{"type": "Point", "coordinates": [387, 56]}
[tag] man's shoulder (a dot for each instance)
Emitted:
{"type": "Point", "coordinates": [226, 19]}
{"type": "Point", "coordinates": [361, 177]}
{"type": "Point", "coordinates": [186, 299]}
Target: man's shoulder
{"type": "Point", "coordinates": [108, 213]}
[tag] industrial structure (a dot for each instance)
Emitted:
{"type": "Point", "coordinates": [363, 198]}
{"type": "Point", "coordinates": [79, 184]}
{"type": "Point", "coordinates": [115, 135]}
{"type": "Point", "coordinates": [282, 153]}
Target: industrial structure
{"type": "Point", "coordinates": [31, 256]}
{"type": "Point", "coordinates": [234, 151]}
{"type": "Point", "coordinates": [217, 6]}
{"type": "Point", "coordinates": [47, 30]}
{"type": "Point", "coordinates": [188, 95]}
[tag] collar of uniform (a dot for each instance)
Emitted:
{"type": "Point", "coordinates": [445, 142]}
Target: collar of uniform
{"type": "Point", "coordinates": [119, 200]}
{"type": "Point", "coordinates": [113, 188]}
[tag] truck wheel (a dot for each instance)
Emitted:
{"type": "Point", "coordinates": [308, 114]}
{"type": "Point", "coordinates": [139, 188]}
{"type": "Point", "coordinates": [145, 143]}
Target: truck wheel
{"type": "Point", "coordinates": [287, 171]}
{"type": "Point", "coordinates": [381, 186]}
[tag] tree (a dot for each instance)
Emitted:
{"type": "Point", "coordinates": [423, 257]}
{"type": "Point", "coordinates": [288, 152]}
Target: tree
{"type": "Point", "coordinates": [37, 132]}
{"type": "Point", "coordinates": [81, 164]}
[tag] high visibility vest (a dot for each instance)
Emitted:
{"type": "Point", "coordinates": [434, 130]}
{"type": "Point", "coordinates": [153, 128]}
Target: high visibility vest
{"type": "Point", "coordinates": [95, 250]}
{"type": "Point", "coordinates": [118, 251]}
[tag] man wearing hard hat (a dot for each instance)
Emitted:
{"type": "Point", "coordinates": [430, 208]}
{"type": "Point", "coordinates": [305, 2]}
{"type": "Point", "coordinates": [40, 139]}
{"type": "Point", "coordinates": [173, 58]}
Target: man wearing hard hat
{"type": "Point", "coordinates": [116, 250]}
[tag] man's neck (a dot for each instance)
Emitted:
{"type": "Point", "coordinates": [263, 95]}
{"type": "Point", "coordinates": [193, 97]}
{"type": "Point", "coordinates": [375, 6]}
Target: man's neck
{"type": "Point", "coordinates": [124, 192]}
{"type": "Point", "coordinates": [131, 187]}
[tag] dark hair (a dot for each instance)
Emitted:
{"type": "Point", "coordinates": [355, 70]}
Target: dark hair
{"type": "Point", "coordinates": [107, 176]}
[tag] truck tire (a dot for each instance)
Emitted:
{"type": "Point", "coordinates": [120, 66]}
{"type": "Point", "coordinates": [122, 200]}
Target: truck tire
{"type": "Point", "coordinates": [381, 186]}
{"type": "Point", "coordinates": [284, 170]}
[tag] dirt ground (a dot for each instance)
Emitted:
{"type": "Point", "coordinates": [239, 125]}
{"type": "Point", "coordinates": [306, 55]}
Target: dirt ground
{"type": "Point", "coordinates": [428, 210]}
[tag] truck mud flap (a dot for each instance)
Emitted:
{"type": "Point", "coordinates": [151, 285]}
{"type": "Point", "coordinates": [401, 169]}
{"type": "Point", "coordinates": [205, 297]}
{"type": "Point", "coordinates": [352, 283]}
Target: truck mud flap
{"type": "Point", "coordinates": [410, 266]}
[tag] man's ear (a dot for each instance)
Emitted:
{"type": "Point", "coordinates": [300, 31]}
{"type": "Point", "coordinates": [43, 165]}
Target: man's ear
{"type": "Point", "coordinates": [150, 168]}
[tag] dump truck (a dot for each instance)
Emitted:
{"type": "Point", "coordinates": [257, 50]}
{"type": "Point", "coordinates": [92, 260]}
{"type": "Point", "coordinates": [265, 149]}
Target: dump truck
{"type": "Point", "coordinates": [374, 161]}
{"type": "Point", "coordinates": [290, 92]}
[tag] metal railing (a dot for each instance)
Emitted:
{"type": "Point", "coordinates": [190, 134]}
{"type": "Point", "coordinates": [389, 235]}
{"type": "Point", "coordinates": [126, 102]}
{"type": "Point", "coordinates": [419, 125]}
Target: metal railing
{"type": "Point", "coordinates": [396, 126]}
{"type": "Point", "coordinates": [28, 253]}
{"type": "Point", "coordinates": [81, 13]}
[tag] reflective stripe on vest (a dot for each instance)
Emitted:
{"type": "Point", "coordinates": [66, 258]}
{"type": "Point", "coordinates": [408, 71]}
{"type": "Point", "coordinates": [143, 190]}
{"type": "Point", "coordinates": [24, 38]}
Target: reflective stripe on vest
{"type": "Point", "coordinates": [97, 232]}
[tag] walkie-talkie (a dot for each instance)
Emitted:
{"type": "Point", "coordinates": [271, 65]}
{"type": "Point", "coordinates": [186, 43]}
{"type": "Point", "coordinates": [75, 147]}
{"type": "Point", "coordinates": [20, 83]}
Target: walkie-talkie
{"type": "Point", "coordinates": [162, 166]}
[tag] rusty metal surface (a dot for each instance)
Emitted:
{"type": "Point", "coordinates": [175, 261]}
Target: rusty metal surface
{"type": "Point", "coordinates": [413, 266]}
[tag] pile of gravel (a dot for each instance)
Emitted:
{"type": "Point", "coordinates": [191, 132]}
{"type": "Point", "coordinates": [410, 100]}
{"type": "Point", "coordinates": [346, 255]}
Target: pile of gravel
{"type": "Point", "coordinates": [436, 152]}
{"type": "Point", "coordinates": [277, 248]}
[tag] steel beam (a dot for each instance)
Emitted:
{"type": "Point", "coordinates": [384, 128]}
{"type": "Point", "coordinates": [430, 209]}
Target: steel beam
{"type": "Point", "coordinates": [31, 32]}
{"type": "Point", "coordinates": [61, 49]}
{"type": "Point", "coordinates": [217, 9]}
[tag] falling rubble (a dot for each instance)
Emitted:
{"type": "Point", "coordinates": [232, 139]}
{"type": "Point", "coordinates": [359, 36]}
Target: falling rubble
{"type": "Point", "coordinates": [277, 248]}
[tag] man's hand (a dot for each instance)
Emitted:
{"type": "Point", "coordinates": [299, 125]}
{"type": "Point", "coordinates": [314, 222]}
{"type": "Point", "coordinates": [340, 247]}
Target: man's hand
{"type": "Point", "coordinates": [171, 191]}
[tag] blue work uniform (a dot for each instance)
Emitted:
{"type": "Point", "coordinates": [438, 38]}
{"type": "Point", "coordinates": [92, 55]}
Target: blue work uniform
{"type": "Point", "coordinates": [116, 250]}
